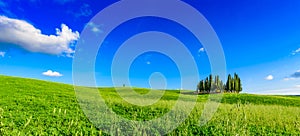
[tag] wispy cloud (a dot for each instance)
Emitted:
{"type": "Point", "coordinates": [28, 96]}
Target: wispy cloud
{"type": "Point", "coordinates": [284, 91]}
{"type": "Point", "coordinates": [94, 27]}
{"type": "Point", "coordinates": [84, 11]}
{"type": "Point", "coordinates": [4, 9]}
{"type": "Point", "coordinates": [25, 35]}
{"type": "Point", "coordinates": [296, 52]}
{"type": "Point", "coordinates": [289, 78]}
{"type": "Point", "coordinates": [2, 4]}
{"type": "Point", "coordinates": [2, 54]}
{"type": "Point", "coordinates": [51, 73]}
{"type": "Point", "coordinates": [269, 77]}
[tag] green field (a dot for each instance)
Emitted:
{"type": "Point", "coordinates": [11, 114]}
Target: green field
{"type": "Point", "coordinates": [33, 107]}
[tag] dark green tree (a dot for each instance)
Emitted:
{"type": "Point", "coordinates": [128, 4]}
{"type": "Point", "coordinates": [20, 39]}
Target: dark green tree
{"type": "Point", "coordinates": [238, 82]}
{"type": "Point", "coordinates": [210, 82]}
{"type": "Point", "coordinates": [240, 86]}
{"type": "Point", "coordinates": [201, 86]}
{"type": "Point", "coordinates": [229, 84]}
{"type": "Point", "coordinates": [206, 85]}
{"type": "Point", "coordinates": [237, 85]}
{"type": "Point", "coordinates": [233, 84]}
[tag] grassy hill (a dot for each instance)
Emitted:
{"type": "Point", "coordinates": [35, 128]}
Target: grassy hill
{"type": "Point", "coordinates": [36, 107]}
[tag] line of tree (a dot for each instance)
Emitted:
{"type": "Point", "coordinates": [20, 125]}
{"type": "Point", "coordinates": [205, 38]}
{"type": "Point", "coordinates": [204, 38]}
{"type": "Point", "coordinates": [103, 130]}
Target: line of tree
{"type": "Point", "coordinates": [213, 84]}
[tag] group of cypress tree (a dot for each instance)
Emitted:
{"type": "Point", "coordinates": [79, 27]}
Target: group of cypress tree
{"type": "Point", "coordinates": [215, 85]}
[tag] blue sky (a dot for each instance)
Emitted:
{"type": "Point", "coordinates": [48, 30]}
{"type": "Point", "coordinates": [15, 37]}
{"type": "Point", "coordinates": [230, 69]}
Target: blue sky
{"type": "Point", "coordinates": [261, 42]}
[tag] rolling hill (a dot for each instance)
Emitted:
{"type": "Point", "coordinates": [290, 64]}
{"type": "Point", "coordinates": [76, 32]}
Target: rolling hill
{"type": "Point", "coordinates": [34, 107]}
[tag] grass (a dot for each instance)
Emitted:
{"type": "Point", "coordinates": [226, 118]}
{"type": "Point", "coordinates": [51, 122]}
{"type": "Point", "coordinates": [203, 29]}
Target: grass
{"type": "Point", "coordinates": [33, 107]}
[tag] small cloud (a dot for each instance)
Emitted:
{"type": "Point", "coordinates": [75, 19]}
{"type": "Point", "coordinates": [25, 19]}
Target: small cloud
{"type": "Point", "coordinates": [2, 54]}
{"type": "Point", "coordinates": [289, 78]}
{"type": "Point", "coordinates": [146, 59]}
{"type": "Point", "coordinates": [51, 73]}
{"type": "Point", "coordinates": [297, 86]}
{"type": "Point", "coordinates": [201, 50]}
{"type": "Point", "coordinates": [296, 52]}
{"type": "Point", "coordinates": [269, 77]}
{"type": "Point", "coordinates": [26, 36]}
{"type": "Point", "coordinates": [296, 74]}
{"type": "Point", "coordinates": [94, 27]}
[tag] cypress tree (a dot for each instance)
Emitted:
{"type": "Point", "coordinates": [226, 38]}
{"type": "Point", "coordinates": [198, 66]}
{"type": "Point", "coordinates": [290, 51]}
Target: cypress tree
{"type": "Point", "coordinates": [201, 86]}
{"type": "Point", "coordinates": [240, 85]}
{"type": "Point", "coordinates": [213, 83]}
{"type": "Point", "coordinates": [206, 85]}
{"type": "Point", "coordinates": [229, 83]}
{"type": "Point", "coordinates": [210, 82]}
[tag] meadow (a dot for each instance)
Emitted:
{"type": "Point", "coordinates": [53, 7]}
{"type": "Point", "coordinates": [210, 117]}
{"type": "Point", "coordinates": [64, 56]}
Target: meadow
{"type": "Point", "coordinates": [34, 107]}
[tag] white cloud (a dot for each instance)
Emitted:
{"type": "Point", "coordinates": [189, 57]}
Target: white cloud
{"type": "Point", "coordinates": [297, 86]}
{"type": "Point", "coordinates": [269, 77]}
{"type": "Point", "coordinates": [148, 62]}
{"type": "Point", "coordinates": [94, 27]}
{"type": "Point", "coordinates": [2, 54]}
{"type": "Point", "coordinates": [201, 50]}
{"type": "Point", "coordinates": [296, 52]}
{"type": "Point", "coordinates": [289, 78]}
{"type": "Point", "coordinates": [25, 35]}
{"type": "Point", "coordinates": [52, 73]}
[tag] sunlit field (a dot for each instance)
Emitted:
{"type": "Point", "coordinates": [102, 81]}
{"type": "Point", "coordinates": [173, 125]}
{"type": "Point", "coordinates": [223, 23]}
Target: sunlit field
{"type": "Point", "coordinates": [33, 107]}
